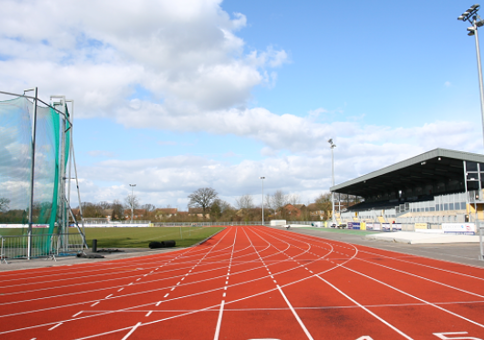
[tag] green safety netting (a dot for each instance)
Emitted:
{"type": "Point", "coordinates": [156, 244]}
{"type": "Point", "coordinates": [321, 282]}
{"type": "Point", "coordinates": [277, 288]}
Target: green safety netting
{"type": "Point", "coordinates": [16, 160]}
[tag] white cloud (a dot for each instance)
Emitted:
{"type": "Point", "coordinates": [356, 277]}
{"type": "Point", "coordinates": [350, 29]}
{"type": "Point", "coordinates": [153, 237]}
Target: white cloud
{"type": "Point", "coordinates": [169, 180]}
{"type": "Point", "coordinates": [185, 53]}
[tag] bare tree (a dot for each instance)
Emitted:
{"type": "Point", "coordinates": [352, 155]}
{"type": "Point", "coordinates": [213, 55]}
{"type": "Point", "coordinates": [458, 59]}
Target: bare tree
{"type": "Point", "coordinates": [148, 207]}
{"type": "Point", "coordinates": [4, 204]}
{"type": "Point", "coordinates": [292, 199]}
{"type": "Point", "coordinates": [245, 202]}
{"type": "Point", "coordinates": [323, 202]}
{"type": "Point", "coordinates": [202, 198]}
{"type": "Point", "coordinates": [132, 203]}
{"type": "Point", "coordinates": [118, 210]}
{"type": "Point", "coordinates": [278, 200]}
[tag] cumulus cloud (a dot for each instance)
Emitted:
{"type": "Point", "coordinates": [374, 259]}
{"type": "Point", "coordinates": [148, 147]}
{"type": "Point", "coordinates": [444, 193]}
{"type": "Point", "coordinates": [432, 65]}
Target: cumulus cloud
{"type": "Point", "coordinates": [169, 180]}
{"type": "Point", "coordinates": [185, 53]}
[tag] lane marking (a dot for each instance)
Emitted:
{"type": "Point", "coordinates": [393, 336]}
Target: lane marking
{"type": "Point", "coordinates": [120, 289]}
{"type": "Point", "coordinates": [417, 298]}
{"type": "Point", "coordinates": [95, 303]}
{"type": "Point", "coordinates": [107, 297]}
{"type": "Point", "coordinates": [149, 313]}
{"type": "Point", "coordinates": [158, 303]}
{"type": "Point", "coordinates": [60, 323]}
{"type": "Point", "coordinates": [132, 330]}
{"type": "Point", "coordinates": [78, 313]}
{"type": "Point", "coordinates": [365, 309]}
{"type": "Point", "coordinates": [219, 320]}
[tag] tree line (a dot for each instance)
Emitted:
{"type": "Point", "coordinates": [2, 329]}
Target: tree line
{"type": "Point", "coordinates": [204, 205]}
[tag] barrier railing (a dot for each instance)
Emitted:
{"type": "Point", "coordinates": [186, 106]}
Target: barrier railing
{"type": "Point", "coordinates": [45, 245]}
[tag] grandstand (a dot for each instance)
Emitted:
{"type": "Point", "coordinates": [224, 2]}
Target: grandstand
{"type": "Point", "coordinates": [439, 186]}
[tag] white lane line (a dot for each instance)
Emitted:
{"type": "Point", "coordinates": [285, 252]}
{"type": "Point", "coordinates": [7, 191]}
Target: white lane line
{"type": "Point", "coordinates": [120, 289]}
{"type": "Point", "coordinates": [77, 314]}
{"type": "Point", "coordinates": [60, 323]}
{"type": "Point", "coordinates": [131, 331]}
{"type": "Point", "coordinates": [138, 279]}
{"type": "Point", "coordinates": [158, 303]}
{"type": "Point", "coordinates": [285, 298]}
{"type": "Point", "coordinates": [172, 289]}
{"type": "Point", "coordinates": [95, 303]}
{"type": "Point", "coordinates": [166, 295]}
{"type": "Point", "coordinates": [366, 309]}
{"type": "Point", "coordinates": [149, 313]}
{"type": "Point", "coordinates": [219, 321]}
{"type": "Point", "coordinates": [417, 298]}
{"type": "Point", "coordinates": [107, 297]}
{"type": "Point", "coordinates": [295, 314]}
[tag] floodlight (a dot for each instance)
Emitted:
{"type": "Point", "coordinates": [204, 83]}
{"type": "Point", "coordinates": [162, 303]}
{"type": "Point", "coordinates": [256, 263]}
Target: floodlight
{"type": "Point", "coordinates": [471, 29]}
{"type": "Point", "coordinates": [460, 18]}
{"type": "Point", "coordinates": [480, 23]}
{"type": "Point", "coordinates": [330, 141]}
{"type": "Point", "coordinates": [465, 14]}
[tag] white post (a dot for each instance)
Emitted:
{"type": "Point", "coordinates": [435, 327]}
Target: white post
{"type": "Point", "coordinates": [32, 175]}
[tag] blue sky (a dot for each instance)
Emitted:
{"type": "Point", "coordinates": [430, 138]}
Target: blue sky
{"type": "Point", "coordinates": [174, 96]}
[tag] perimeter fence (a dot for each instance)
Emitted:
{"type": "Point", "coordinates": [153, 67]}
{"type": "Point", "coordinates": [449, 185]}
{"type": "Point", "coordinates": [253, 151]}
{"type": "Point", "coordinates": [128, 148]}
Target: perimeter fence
{"type": "Point", "coordinates": [43, 245]}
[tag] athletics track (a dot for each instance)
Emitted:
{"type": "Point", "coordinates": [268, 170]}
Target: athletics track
{"type": "Point", "coordinates": [248, 282]}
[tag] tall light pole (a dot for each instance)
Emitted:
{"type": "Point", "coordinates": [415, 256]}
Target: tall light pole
{"type": "Point", "coordinates": [132, 200]}
{"type": "Point", "coordinates": [262, 181]}
{"type": "Point", "coordinates": [475, 20]}
{"type": "Point", "coordinates": [332, 146]}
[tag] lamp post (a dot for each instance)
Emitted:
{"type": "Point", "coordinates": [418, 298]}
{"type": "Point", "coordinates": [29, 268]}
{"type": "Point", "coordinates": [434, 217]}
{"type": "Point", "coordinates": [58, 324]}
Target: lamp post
{"type": "Point", "coordinates": [475, 20]}
{"type": "Point", "coordinates": [262, 181]}
{"type": "Point", "coordinates": [132, 201]}
{"type": "Point", "coordinates": [332, 146]}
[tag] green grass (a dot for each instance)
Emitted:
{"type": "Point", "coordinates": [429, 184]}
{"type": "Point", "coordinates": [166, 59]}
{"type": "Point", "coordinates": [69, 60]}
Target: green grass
{"type": "Point", "coordinates": [344, 231]}
{"type": "Point", "coordinates": [137, 237]}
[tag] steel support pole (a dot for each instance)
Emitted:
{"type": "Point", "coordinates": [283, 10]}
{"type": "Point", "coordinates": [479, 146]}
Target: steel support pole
{"type": "Point", "coordinates": [32, 174]}
{"type": "Point", "coordinates": [479, 69]}
{"type": "Point", "coordinates": [332, 175]}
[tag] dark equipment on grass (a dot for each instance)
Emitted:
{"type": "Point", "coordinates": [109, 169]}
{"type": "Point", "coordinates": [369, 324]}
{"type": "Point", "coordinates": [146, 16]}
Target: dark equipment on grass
{"type": "Point", "coordinates": [162, 244]}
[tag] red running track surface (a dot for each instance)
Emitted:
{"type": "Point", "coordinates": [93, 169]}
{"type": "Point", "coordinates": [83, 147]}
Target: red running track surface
{"type": "Point", "coordinates": [248, 282]}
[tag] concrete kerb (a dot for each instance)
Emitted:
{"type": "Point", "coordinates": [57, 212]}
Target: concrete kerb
{"type": "Point", "coordinates": [20, 264]}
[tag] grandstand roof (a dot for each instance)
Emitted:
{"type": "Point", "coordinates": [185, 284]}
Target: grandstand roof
{"type": "Point", "coordinates": [436, 169]}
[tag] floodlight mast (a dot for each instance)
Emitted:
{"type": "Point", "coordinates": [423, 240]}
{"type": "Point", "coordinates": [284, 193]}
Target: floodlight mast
{"type": "Point", "coordinates": [475, 20]}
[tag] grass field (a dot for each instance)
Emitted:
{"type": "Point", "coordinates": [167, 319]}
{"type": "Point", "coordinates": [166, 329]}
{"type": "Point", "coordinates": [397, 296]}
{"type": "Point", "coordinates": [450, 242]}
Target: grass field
{"type": "Point", "coordinates": [137, 237]}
